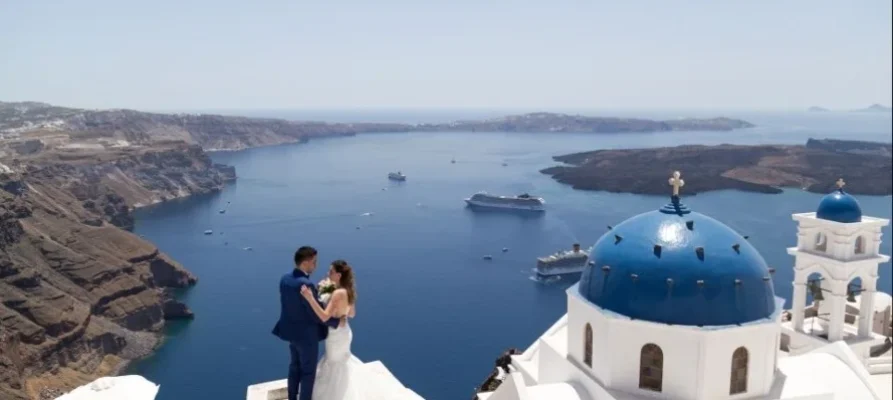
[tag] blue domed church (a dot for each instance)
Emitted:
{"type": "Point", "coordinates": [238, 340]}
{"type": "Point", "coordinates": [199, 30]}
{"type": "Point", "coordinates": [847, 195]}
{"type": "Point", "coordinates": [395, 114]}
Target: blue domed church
{"type": "Point", "coordinates": [676, 305]}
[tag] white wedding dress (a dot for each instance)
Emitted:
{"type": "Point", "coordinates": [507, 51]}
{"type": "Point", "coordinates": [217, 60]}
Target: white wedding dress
{"type": "Point", "coordinates": [341, 376]}
{"type": "Point", "coordinates": [338, 375]}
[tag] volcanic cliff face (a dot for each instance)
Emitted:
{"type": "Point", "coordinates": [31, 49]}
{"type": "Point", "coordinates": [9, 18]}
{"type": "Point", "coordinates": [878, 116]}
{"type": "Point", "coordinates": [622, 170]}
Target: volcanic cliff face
{"type": "Point", "coordinates": [79, 294]}
{"type": "Point", "coordinates": [62, 126]}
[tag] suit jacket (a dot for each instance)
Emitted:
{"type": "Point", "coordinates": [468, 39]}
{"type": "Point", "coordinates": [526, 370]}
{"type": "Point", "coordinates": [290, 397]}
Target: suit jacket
{"type": "Point", "coordinates": [297, 321]}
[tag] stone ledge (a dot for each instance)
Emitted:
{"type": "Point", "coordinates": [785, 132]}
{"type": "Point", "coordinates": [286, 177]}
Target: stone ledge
{"type": "Point", "coordinates": [385, 380]}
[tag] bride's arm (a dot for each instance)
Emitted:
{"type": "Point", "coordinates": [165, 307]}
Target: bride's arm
{"type": "Point", "coordinates": [353, 311]}
{"type": "Point", "coordinates": [324, 315]}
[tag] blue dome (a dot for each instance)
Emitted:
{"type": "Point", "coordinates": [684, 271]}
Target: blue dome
{"type": "Point", "coordinates": [839, 206]}
{"type": "Point", "coordinates": [678, 267]}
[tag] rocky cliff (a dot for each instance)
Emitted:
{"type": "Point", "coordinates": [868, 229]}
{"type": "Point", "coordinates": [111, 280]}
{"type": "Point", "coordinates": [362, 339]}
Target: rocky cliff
{"type": "Point", "coordinates": [79, 294]}
{"type": "Point", "coordinates": [61, 126]}
{"type": "Point", "coordinates": [866, 167]}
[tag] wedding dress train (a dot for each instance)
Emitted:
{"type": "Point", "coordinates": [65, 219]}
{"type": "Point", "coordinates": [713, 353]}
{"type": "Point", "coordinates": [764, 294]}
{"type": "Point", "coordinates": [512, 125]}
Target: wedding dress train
{"type": "Point", "coordinates": [341, 376]}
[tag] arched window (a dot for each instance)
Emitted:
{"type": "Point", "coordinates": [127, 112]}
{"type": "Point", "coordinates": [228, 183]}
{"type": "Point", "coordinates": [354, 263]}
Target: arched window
{"type": "Point", "coordinates": [859, 248]}
{"type": "Point", "coordinates": [587, 346]}
{"type": "Point", "coordinates": [651, 368]}
{"type": "Point", "coordinates": [738, 381]}
{"type": "Point", "coordinates": [821, 242]}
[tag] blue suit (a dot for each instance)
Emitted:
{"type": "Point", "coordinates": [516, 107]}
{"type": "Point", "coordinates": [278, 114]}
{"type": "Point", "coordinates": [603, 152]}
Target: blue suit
{"type": "Point", "coordinates": [302, 329]}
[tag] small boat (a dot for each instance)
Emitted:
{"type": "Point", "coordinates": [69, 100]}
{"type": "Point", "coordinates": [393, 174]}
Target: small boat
{"type": "Point", "coordinates": [488, 257]}
{"type": "Point", "coordinates": [209, 232]}
{"type": "Point", "coordinates": [247, 249]}
{"type": "Point", "coordinates": [505, 249]}
{"type": "Point", "coordinates": [397, 176]}
{"type": "Point", "coordinates": [453, 161]}
{"type": "Point", "coordinates": [222, 211]}
{"type": "Point", "coordinates": [505, 164]}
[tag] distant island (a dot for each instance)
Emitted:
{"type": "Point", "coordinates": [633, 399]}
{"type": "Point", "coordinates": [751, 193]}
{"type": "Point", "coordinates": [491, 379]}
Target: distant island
{"type": "Point", "coordinates": [63, 126]}
{"type": "Point", "coordinates": [543, 122]}
{"type": "Point", "coordinates": [867, 168]}
{"type": "Point", "coordinates": [875, 108]}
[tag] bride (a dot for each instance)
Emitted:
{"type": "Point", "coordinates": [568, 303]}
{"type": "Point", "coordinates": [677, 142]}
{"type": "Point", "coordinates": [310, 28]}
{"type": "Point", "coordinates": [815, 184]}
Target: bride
{"type": "Point", "coordinates": [339, 375]}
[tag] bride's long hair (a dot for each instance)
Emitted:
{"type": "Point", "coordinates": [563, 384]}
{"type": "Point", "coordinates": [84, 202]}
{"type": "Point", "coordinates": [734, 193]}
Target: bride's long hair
{"type": "Point", "coordinates": [346, 282]}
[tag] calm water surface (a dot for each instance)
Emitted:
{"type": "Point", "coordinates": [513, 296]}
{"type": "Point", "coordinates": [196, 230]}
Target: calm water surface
{"type": "Point", "coordinates": [429, 306]}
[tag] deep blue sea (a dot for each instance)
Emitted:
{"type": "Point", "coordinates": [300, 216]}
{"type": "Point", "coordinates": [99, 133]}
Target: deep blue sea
{"type": "Point", "coordinates": [429, 306]}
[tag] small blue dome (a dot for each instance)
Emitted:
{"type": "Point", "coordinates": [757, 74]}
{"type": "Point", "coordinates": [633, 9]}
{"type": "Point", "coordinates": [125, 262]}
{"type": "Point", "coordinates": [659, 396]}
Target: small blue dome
{"type": "Point", "coordinates": [839, 206]}
{"type": "Point", "coordinates": [678, 267]}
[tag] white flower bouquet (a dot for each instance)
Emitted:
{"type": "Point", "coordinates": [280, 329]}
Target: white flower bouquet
{"type": "Point", "coordinates": [326, 287]}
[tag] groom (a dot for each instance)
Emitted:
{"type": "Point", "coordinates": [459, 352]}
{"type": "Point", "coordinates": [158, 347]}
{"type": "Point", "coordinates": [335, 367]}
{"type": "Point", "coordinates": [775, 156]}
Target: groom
{"type": "Point", "coordinates": [299, 326]}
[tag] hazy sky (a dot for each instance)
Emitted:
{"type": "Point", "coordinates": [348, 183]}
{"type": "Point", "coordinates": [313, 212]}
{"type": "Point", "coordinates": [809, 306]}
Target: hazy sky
{"type": "Point", "coordinates": [201, 54]}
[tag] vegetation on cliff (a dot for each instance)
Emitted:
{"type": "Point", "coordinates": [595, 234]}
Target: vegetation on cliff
{"type": "Point", "coordinates": [866, 167]}
{"type": "Point", "coordinates": [79, 294]}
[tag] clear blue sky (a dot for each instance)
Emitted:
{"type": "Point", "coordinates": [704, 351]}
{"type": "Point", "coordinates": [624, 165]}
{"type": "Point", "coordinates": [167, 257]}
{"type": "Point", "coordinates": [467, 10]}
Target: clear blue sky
{"type": "Point", "coordinates": [201, 54]}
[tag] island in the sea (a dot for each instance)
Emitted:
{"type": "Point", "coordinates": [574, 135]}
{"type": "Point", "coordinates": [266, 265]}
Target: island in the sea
{"type": "Point", "coordinates": [867, 168]}
{"type": "Point", "coordinates": [876, 108]}
{"type": "Point", "coordinates": [817, 109]}
{"type": "Point", "coordinates": [543, 122]}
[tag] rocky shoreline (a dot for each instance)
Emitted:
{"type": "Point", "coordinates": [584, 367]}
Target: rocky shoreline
{"type": "Point", "coordinates": [867, 168]}
{"type": "Point", "coordinates": [80, 295]}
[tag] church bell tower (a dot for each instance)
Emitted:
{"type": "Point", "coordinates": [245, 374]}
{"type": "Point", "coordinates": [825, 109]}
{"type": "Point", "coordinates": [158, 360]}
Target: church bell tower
{"type": "Point", "coordinates": [836, 247]}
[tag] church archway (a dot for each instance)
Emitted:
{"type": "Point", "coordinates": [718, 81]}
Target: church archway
{"type": "Point", "coordinates": [587, 346]}
{"type": "Point", "coordinates": [853, 289]}
{"type": "Point", "coordinates": [816, 288]}
{"type": "Point", "coordinates": [821, 242]}
{"type": "Point", "coordinates": [859, 247]}
{"type": "Point", "coordinates": [816, 292]}
{"type": "Point", "coordinates": [651, 368]}
{"type": "Point", "coordinates": [738, 377]}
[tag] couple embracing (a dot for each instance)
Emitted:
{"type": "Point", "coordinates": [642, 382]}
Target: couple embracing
{"type": "Point", "coordinates": [305, 320]}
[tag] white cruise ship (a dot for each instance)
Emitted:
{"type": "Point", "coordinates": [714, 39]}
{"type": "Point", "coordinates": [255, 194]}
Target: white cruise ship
{"type": "Point", "coordinates": [565, 262]}
{"type": "Point", "coordinates": [523, 202]}
{"type": "Point", "coordinates": [397, 176]}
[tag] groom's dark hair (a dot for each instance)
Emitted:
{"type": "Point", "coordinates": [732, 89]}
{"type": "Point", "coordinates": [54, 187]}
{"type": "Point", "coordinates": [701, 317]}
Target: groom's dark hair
{"type": "Point", "coordinates": [303, 254]}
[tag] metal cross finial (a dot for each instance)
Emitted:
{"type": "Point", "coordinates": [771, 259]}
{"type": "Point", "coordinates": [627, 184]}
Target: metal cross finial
{"type": "Point", "coordinates": [676, 182]}
{"type": "Point", "coordinates": [840, 183]}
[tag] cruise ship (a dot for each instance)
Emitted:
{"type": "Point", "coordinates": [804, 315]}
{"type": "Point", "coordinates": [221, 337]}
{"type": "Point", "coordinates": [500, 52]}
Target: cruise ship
{"type": "Point", "coordinates": [566, 262]}
{"type": "Point", "coordinates": [397, 176]}
{"type": "Point", "coordinates": [523, 202]}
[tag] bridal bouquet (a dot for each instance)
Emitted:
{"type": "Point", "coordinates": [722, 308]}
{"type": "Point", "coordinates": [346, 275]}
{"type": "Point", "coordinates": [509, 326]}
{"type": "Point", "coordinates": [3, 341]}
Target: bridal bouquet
{"type": "Point", "coordinates": [326, 287]}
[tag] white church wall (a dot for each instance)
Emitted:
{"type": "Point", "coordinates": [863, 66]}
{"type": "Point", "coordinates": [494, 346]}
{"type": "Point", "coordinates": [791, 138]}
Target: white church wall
{"type": "Point", "coordinates": [581, 312]}
{"type": "Point", "coordinates": [719, 346]}
{"type": "Point", "coordinates": [681, 348]}
{"type": "Point", "coordinates": [839, 238]}
{"type": "Point", "coordinates": [561, 368]}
